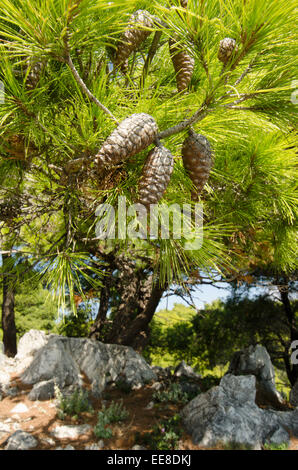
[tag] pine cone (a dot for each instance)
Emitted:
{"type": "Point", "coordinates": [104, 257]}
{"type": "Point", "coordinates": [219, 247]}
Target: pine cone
{"type": "Point", "coordinates": [156, 175]}
{"type": "Point", "coordinates": [197, 160]}
{"type": "Point", "coordinates": [183, 65]}
{"type": "Point", "coordinates": [34, 75]}
{"type": "Point", "coordinates": [227, 47]}
{"type": "Point", "coordinates": [132, 136]}
{"type": "Point", "coordinates": [133, 36]}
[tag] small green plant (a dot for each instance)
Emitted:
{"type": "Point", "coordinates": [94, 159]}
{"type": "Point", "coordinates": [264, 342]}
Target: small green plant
{"type": "Point", "coordinates": [283, 446]}
{"type": "Point", "coordinates": [72, 405]}
{"type": "Point", "coordinates": [164, 436]}
{"type": "Point", "coordinates": [101, 431]}
{"type": "Point", "coordinates": [115, 413]}
{"type": "Point", "coordinates": [174, 394]}
{"type": "Point", "coordinates": [236, 446]}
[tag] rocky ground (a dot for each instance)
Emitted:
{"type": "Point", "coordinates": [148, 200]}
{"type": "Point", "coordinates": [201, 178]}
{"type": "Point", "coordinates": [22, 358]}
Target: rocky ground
{"type": "Point", "coordinates": [241, 411]}
{"type": "Point", "coordinates": [40, 420]}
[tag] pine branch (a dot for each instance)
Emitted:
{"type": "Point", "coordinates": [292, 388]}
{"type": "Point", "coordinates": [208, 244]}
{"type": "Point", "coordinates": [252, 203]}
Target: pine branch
{"type": "Point", "coordinates": [246, 71]}
{"type": "Point", "coordinates": [196, 117]}
{"type": "Point", "coordinates": [67, 58]}
{"type": "Point", "coordinates": [86, 90]}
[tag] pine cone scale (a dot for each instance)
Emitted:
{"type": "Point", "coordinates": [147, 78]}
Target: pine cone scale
{"type": "Point", "coordinates": [156, 175]}
{"type": "Point", "coordinates": [227, 47]}
{"type": "Point", "coordinates": [183, 64]}
{"type": "Point", "coordinates": [133, 135]}
{"type": "Point", "coordinates": [133, 37]}
{"type": "Point", "coordinates": [197, 159]}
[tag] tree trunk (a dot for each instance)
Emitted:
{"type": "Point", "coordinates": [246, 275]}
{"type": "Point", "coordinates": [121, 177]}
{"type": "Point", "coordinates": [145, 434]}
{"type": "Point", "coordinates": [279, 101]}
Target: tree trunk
{"type": "Point", "coordinates": [100, 321]}
{"type": "Point", "coordinates": [137, 333]}
{"type": "Point", "coordinates": [8, 320]}
{"type": "Point", "coordinates": [137, 297]}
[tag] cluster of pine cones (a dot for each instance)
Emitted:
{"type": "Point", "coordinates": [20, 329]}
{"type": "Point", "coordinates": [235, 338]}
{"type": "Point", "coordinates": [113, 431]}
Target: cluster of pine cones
{"type": "Point", "coordinates": [138, 131]}
{"type": "Point", "coordinates": [140, 27]}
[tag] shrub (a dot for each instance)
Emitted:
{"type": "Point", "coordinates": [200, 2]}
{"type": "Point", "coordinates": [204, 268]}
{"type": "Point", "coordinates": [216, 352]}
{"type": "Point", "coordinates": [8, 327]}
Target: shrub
{"type": "Point", "coordinates": [164, 436]}
{"type": "Point", "coordinates": [115, 413]}
{"type": "Point", "coordinates": [209, 381]}
{"type": "Point", "coordinates": [283, 446]}
{"type": "Point", "coordinates": [174, 394]}
{"type": "Point", "coordinates": [74, 404]}
{"type": "Point", "coordinates": [76, 325]}
{"type": "Point", "coordinates": [101, 431]}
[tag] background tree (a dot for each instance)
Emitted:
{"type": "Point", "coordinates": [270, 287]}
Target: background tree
{"type": "Point", "coordinates": [210, 337]}
{"type": "Point", "coordinates": [33, 307]}
{"type": "Point", "coordinates": [65, 92]}
{"type": "Point", "coordinates": [8, 305]}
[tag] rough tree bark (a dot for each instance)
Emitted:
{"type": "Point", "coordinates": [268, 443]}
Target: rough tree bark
{"type": "Point", "coordinates": [8, 319]}
{"type": "Point", "coordinates": [138, 296]}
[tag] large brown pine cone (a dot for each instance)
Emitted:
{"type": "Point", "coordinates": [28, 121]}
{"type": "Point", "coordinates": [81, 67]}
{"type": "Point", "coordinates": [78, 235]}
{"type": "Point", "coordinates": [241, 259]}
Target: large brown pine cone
{"type": "Point", "coordinates": [197, 160]}
{"type": "Point", "coordinates": [133, 37]}
{"type": "Point", "coordinates": [227, 47]}
{"type": "Point", "coordinates": [134, 134]}
{"type": "Point", "coordinates": [156, 175]}
{"type": "Point", "coordinates": [183, 65]}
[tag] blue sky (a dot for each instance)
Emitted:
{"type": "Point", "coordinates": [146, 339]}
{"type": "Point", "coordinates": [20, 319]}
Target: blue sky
{"type": "Point", "coordinates": [202, 295]}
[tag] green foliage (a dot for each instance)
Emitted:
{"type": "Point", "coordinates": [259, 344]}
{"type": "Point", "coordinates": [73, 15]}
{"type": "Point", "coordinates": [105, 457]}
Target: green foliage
{"type": "Point", "coordinates": [244, 109]}
{"type": "Point", "coordinates": [66, 275]}
{"type": "Point", "coordinates": [236, 446]}
{"type": "Point", "coordinates": [74, 404]}
{"type": "Point", "coordinates": [283, 446]}
{"type": "Point", "coordinates": [209, 381]}
{"type": "Point", "coordinates": [76, 325]}
{"type": "Point", "coordinates": [101, 431]}
{"type": "Point", "coordinates": [114, 413]}
{"type": "Point", "coordinates": [165, 435]}
{"type": "Point", "coordinates": [170, 333]}
{"type": "Point", "coordinates": [34, 309]}
{"type": "Point", "coordinates": [211, 338]}
{"type": "Point", "coordinates": [174, 394]}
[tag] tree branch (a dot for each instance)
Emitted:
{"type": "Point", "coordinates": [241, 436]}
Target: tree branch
{"type": "Point", "coordinates": [86, 90]}
{"type": "Point", "coordinates": [197, 116]}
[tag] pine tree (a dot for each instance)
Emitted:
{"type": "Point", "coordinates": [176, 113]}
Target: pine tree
{"type": "Point", "coordinates": [54, 129]}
